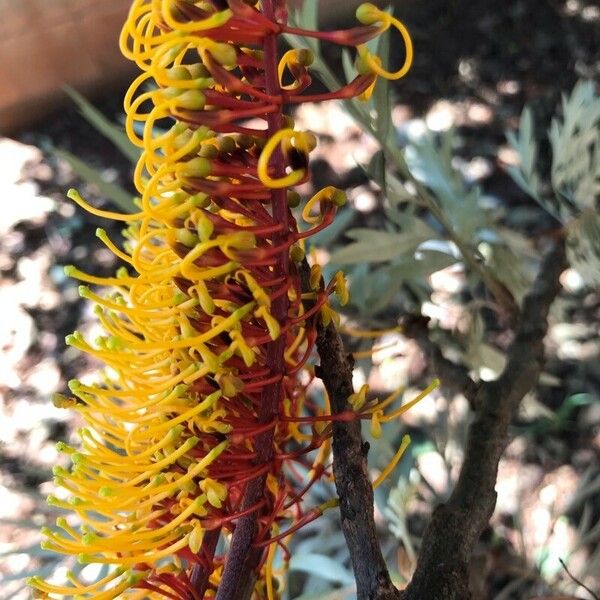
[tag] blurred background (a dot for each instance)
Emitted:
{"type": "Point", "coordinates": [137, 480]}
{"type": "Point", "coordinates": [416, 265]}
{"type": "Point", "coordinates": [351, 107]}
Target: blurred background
{"type": "Point", "coordinates": [476, 68]}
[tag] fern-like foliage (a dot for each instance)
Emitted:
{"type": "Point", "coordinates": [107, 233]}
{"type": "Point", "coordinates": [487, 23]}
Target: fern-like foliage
{"type": "Point", "coordinates": [575, 174]}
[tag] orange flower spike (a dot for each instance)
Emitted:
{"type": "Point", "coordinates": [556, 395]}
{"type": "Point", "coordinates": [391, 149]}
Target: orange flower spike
{"type": "Point", "coordinates": [191, 434]}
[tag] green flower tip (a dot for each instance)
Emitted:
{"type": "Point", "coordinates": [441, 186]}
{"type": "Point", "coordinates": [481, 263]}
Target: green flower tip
{"type": "Point", "coordinates": [297, 254]}
{"type": "Point", "coordinates": [180, 389]}
{"type": "Point", "coordinates": [159, 479]}
{"type": "Point", "coordinates": [171, 92]}
{"type": "Point", "coordinates": [222, 17]}
{"type": "Point", "coordinates": [179, 73]}
{"type": "Point", "coordinates": [226, 144]}
{"type": "Point", "coordinates": [191, 99]}
{"type": "Point", "coordinates": [134, 578]}
{"type": "Point", "coordinates": [339, 197]}
{"type": "Point", "coordinates": [204, 227]}
{"type": "Point", "coordinates": [201, 200]}
{"type": "Point", "coordinates": [305, 57]}
{"type": "Point", "coordinates": [224, 54]}
{"type": "Point", "coordinates": [175, 432]}
{"type": "Point", "coordinates": [179, 298]}
{"type": "Point", "coordinates": [106, 492]}
{"type": "Point", "coordinates": [245, 141]}
{"type": "Point", "coordinates": [362, 66]}
{"type": "Point", "coordinates": [89, 538]}
{"type": "Point", "coordinates": [74, 338]}
{"type": "Point", "coordinates": [191, 442]}
{"type": "Point", "coordinates": [198, 502]}
{"type": "Point", "coordinates": [208, 151]}
{"type": "Point", "coordinates": [198, 71]}
{"type": "Point", "coordinates": [73, 194]}
{"type": "Point", "coordinates": [77, 458]}
{"type": "Point", "coordinates": [61, 401]}
{"type": "Point", "coordinates": [187, 238]}
{"type": "Point", "coordinates": [85, 559]}
{"type": "Point", "coordinates": [114, 343]}
{"type": "Point", "coordinates": [196, 167]}
{"type": "Point", "coordinates": [74, 384]}
{"type": "Point", "coordinates": [368, 13]}
{"type": "Point", "coordinates": [84, 291]}
{"type": "Point", "coordinates": [61, 447]}
{"type": "Point", "coordinates": [69, 270]}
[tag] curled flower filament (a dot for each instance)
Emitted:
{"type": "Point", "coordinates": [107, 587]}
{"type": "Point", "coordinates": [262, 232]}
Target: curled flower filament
{"type": "Point", "coordinates": [197, 436]}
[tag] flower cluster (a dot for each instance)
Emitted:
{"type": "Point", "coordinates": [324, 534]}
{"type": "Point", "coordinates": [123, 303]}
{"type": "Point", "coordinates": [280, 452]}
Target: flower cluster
{"type": "Point", "coordinates": [199, 438]}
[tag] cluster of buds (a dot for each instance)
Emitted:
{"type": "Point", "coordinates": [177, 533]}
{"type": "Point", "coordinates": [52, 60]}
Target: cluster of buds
{"type": "Point", "coordinates": [202, 441]}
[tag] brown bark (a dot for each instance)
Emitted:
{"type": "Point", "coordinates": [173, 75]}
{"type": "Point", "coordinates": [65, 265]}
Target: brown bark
{"type": "Point", "coordinates": [455, 527]}
{"type": "Point", "coordinates": [351, 475]}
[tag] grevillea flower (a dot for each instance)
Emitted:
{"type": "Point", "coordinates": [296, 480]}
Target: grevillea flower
{"type": "Point", "coordinates": [192, 458]}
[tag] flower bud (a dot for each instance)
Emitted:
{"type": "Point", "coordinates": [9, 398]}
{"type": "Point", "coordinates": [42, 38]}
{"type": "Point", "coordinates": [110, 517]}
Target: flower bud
{"type": "Point", "coordinates": [187, 238]}
{"type": "Point", "coordinates": [305, 57]}
{"type": "Point", "coordinates": [245, 141]}
{"type": "Point", "coordinates": [224, 54]}
{"type": "Point", "coordinates": [208, 151]}
{"type": "Point", "coordinates": [195, 538]}
{"type": "Point", "coordinates": [190, 100]}
{"type": "Point", "coordinates": [368, 14]}
{"type": "Point", "coordinates": [204, 227]}
{"type": "Point", "coordinates": [171, 92]}
{"type": "Point", "coordinates": [297, 254]}
{"type": "Point", "coordinates": [198, 70]}
{"type": "Point", "coordinates": [179, 73]}
{"type": "Point", "coordinates": [197, 167]}
{"type": "Point", "coordinates": [227, 144]}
